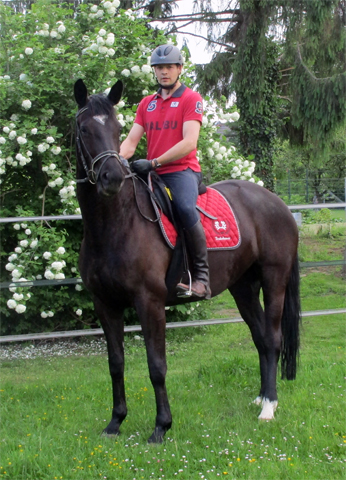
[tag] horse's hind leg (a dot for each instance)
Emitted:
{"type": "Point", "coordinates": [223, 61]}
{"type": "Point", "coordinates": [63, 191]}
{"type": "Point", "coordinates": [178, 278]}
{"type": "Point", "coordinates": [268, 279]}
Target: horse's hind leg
{"type": "Point", "coordinates": [113, 326]}
{"type": "Point", "coordinates": [266, 334]}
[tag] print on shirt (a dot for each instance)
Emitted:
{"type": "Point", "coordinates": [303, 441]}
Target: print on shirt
{"type": "Point", "coordinates": [152, 106]}
{"type": "Point", "coordinates": [174, 104]}
{"type": "Point", "coordinates": [199, 108]}
{"type": "Point", "coordinates": [166, 125]}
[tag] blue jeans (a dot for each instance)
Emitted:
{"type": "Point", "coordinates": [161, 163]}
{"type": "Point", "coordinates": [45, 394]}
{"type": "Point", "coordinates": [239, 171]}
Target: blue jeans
{"type": "Point", "coordinates": [184, 189]}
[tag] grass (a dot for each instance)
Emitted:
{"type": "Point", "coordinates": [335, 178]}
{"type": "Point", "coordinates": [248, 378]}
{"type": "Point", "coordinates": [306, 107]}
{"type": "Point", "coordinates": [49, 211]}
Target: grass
{"type": "Point", "coordinates": [54, 407]}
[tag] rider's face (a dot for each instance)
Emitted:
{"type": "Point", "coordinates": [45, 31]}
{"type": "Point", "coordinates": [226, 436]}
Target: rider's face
{"type": "Point", "coordinates": [168, 73]}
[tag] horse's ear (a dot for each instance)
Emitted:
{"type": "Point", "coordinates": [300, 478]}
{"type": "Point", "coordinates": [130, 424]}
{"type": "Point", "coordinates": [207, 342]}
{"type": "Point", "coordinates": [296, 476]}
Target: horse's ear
{"type": "Point", "coordinates": [116, 92]}
{"type": "Point", "coordinates": [80, 93]}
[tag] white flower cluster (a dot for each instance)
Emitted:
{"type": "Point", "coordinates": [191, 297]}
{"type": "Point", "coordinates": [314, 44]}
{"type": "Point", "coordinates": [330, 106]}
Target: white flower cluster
{"type": "Point", "coordinates": [101, 45]}
{"type": "Point", "coordinates": [55, 32]}
{"type": "Point", "coordinates": [106, 6]}
{"type": "Point", "coordinates": [68, 193]}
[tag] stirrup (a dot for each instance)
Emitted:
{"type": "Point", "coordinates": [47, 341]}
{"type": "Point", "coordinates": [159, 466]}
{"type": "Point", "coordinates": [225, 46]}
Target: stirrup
{"type": "Point", "coordinates": [187, 293]}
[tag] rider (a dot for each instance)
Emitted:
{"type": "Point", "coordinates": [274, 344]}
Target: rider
{"type": "Point", "coordinates": [171, 119]}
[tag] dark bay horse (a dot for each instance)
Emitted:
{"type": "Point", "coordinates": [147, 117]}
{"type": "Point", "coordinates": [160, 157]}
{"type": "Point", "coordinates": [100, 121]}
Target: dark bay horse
{"type": "Point", "coordinates": [124, 260]}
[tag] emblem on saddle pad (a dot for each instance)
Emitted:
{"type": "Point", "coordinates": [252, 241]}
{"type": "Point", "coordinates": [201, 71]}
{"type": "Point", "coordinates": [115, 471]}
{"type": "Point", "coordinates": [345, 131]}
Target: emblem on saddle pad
{"type": "Point", "coordinates": [221, 226]}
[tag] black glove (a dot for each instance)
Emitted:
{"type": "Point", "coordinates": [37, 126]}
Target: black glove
{"type": "Point", "coordinates": [141, 167]}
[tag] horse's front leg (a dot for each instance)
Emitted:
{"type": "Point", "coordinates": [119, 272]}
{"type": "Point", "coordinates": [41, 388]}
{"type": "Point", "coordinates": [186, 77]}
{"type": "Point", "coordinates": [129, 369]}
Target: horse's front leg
{"type": "Point", "coordinates": [113, 326]}
{"type": "Point", "coordinates": [153, 320]}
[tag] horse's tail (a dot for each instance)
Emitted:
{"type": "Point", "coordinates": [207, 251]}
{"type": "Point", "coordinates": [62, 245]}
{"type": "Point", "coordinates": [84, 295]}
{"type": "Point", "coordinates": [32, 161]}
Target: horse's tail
{"type": "Point", "coordinates": [290, 323]}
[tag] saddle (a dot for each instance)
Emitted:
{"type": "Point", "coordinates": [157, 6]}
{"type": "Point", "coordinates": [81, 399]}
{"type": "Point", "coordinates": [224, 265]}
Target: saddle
{"type": "Point", "coordinates": [217, 217]}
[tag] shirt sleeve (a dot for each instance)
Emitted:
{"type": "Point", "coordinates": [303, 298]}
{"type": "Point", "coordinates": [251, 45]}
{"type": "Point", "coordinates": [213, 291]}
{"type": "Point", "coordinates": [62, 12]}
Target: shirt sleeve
{"type": "Point", "coordinates": [193, 108]}
{"type": "Point", "coordinates": [139, 115]}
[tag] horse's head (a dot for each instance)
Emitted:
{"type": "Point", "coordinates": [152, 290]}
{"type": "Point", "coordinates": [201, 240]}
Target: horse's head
{"type": "Point", "coordinates": [98, 139]}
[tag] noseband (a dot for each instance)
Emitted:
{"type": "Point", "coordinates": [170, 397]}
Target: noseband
{"type": "Point", "coordinates": [93, 176]}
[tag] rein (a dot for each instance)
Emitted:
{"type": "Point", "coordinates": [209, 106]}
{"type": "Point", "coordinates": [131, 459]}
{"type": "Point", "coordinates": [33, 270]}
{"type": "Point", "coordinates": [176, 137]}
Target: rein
{"type": "Point", "coordinates": [92, 177]}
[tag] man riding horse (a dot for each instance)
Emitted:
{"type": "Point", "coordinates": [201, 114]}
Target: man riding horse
{"type": "Point", "coordinates": [171, 119]}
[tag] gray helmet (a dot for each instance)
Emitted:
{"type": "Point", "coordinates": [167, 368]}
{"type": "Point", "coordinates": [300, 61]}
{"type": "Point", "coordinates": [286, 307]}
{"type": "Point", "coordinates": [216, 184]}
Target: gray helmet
{"type": "Point", "coordinates": [166, 54]}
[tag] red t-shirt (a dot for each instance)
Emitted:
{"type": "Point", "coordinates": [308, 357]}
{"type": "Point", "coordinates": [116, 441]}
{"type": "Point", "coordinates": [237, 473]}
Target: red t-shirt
{"type": "Point", "coordinates": [163, 122]}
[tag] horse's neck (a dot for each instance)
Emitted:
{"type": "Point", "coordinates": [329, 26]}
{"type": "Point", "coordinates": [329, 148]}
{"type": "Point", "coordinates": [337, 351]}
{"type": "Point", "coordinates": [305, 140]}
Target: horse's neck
{"type": "Point", "coordinates": [103, 217]}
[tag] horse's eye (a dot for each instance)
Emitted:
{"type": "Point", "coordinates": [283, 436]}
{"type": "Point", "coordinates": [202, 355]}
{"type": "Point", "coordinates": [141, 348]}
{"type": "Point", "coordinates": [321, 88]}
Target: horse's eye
{"type": "Point", "coordinates": [83, 129]}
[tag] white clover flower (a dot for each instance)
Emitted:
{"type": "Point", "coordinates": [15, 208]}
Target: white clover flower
{"type": "Point", "coordinates": [44, 315]}
{"type": "Point", "coordinates": [21, 140]}
{"type": "Point", "coordinates": [126, 72]}
{"type": "Point", "coordinates": [11, 304]}
{"type": "Point", "coordinates": [10, 267]}
{"type": "Point", "coordinates": [23, 243]}
{"type": "Point", "coordinates": [79, 312]}
{"type": "Point", "coordinates": [28, 51]}
{"type": "Point", "coordinates": [61, 28]}
{"type": "Point", "coordinates": [50, 140]}
{"type": "Point", "coordinates": [59, 276]}
{"type": "Point", "coordinates": [57, 266]}
{"type": "Point", "coordinates": [47, 255]}
{"type": "Point", "coordinates": [28, 231]}
{"type": "Point", "coordinates": [49, 275]}
{"type": "Point", "coordinates": [61, 251]}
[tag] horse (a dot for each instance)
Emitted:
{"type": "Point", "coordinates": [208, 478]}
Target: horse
{"type": "Point", "coordinates": [124, 259]}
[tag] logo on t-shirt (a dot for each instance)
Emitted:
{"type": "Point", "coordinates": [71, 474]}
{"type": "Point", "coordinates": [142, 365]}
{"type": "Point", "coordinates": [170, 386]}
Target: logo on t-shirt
{"type": "Point", "coordinates": [151, 106]}
{"type": "Point", "coordinates": [174, 104]}
{"type": "Point", "coordinates": [199, 108]}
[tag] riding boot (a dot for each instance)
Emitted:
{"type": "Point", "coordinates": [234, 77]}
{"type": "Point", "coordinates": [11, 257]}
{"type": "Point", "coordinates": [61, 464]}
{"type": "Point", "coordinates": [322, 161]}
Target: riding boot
{"type": "Point", "coordinates": [197, 247]}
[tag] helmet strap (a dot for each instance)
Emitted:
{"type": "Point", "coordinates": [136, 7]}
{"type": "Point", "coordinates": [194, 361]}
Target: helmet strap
{"type": "Point", "coordinates": [169, 87]}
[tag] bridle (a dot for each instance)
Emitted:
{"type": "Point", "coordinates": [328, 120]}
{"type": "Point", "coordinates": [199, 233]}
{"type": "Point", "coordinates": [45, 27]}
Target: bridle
{"type": "Point", "coordinates": [91, 175]}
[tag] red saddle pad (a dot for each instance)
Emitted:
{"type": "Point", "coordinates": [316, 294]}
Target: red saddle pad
{"type": "Point", "coordinates": [217, 217]}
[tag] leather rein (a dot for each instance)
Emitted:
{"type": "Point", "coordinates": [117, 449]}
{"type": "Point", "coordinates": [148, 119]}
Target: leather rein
{"type": "Point", "coordinates": [92, 176]}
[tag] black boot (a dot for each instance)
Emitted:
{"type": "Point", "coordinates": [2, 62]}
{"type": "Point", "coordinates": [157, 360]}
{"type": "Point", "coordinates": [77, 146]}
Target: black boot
{"type": "Point", "coordinates": [197, 246]}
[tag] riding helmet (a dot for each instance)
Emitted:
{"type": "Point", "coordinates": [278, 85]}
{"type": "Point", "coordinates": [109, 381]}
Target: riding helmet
{"type": "Point", "coordinates": [166, 54]}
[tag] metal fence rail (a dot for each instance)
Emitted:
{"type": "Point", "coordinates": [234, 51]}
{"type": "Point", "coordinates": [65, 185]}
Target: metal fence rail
{"type": "Point", "coordinates": [138, 328]}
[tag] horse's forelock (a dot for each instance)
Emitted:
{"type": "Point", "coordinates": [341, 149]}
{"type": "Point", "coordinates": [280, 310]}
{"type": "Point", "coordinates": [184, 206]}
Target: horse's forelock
{"type": "Point", "coordinates": [100, 105]}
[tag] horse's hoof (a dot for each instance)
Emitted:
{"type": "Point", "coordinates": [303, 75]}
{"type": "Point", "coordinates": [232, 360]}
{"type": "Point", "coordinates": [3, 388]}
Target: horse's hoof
{"type": "Point", "coordinates": [157, 436]}
{"type": "Point", "coordinates": [268, 409]}
{"type": "Point", "coordinates": [106, 434]}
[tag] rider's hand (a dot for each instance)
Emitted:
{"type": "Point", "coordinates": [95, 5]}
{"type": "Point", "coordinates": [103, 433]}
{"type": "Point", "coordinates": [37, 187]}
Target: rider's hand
{"type": "Point", "coordinates": [141, 167]}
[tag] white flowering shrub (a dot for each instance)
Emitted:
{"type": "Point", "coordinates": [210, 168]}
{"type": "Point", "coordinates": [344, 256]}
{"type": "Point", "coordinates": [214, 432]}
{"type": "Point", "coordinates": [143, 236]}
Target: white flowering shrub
{"type": "Point", "coordinates": [42, 54]}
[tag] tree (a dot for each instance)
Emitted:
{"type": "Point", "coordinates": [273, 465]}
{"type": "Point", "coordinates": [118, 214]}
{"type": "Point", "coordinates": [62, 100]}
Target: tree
{"type": "Point", "coordinates": [285, 61]}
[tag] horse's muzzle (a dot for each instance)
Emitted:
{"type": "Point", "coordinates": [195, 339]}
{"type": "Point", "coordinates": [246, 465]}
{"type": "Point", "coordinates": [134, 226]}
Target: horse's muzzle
{"type": "Point", "coordinates": [110, 182]}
